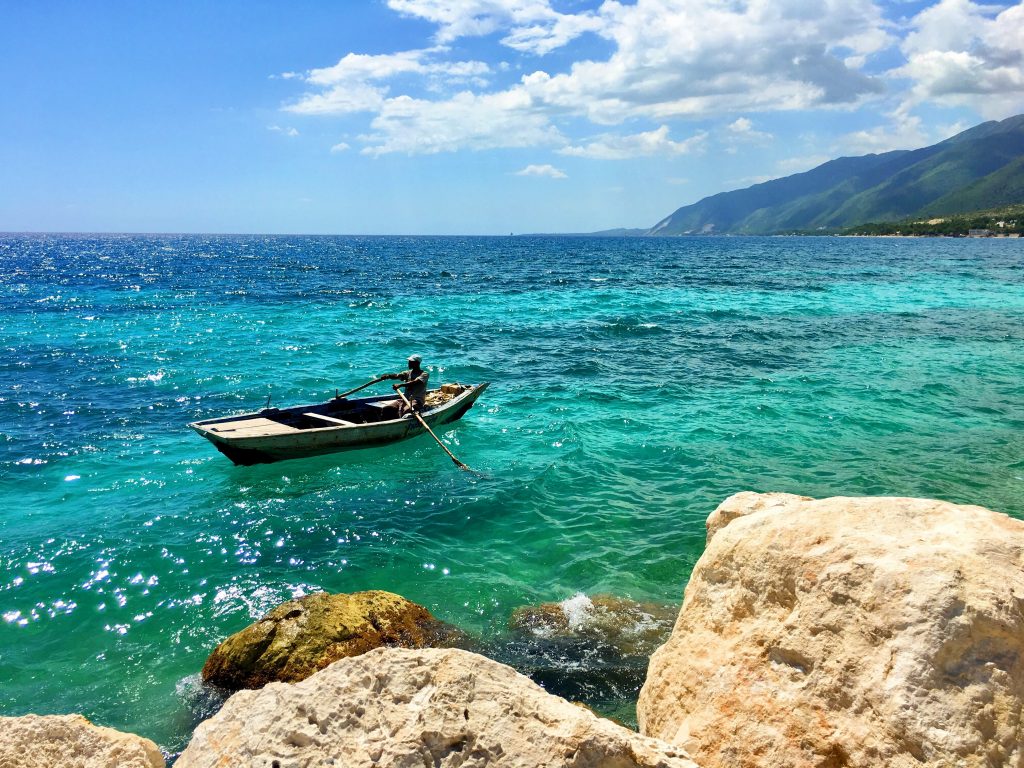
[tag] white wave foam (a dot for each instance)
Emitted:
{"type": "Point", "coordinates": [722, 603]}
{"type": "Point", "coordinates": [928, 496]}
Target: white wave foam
{"type": "Point", "coordinates": [577, 610]}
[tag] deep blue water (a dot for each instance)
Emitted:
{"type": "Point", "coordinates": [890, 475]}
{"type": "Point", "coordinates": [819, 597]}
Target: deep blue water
{"type": "Point", "coordinates": [635, 385]}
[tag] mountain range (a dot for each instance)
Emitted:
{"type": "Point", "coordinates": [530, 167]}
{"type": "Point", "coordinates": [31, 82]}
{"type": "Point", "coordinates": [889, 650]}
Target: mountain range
{"type": "Point", "coordinates": [983, 167]}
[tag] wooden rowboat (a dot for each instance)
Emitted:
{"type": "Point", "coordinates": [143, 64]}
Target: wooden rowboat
{"type": "Point", "coordinates": [276, 434]}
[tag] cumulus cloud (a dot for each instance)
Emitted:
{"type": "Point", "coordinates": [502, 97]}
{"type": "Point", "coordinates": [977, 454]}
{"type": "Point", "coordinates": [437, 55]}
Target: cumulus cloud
{"type": "Point", "coordinates": [962, 53]}
{"type": "Point", "coordinates": [466, 121]}
{"type": "Point", "coordinates": [903, 131]}
{"type": "Point", "coordinates": [290, 132]}
{"type": "Point", "coordinates": [542, 170]}
{"type": "Point", "coordinates": [358, 67]}
{"type": "Point", "coordinates": [679, 58]}
{"type": "Point", "coordinates": [742, 129]}
{"type": "Point", "coordinates": [670, 60]}
{"type": "Point", "coordinates": [614, 147]}
{"type": "Point", "coordinates": [534, 26]}
{"type": "Point", "coordinates": [354, 83]}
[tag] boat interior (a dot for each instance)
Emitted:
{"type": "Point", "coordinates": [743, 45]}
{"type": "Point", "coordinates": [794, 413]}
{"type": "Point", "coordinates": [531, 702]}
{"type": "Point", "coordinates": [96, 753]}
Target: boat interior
{"type": "Point", "coordinates": [336, 412]}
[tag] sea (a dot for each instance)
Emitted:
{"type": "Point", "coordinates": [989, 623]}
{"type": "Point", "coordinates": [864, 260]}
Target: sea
{"type": "Point", "coordinates": [634, 385]}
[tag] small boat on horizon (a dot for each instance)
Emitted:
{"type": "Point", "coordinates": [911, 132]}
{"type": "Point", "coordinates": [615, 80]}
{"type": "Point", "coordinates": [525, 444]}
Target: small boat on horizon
{"type": "Point", "coordinates": [340, 424]}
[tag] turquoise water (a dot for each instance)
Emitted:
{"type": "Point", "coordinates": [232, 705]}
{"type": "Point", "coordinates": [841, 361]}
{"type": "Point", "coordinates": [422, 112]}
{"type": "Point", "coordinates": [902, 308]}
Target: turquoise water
{"type": "Point", "coordinates": [635, 384]}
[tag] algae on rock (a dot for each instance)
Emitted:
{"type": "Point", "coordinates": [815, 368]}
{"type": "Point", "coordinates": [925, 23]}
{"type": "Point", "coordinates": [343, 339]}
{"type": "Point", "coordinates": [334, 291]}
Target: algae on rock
{"type": "Point", "coordinates": [302, 636]}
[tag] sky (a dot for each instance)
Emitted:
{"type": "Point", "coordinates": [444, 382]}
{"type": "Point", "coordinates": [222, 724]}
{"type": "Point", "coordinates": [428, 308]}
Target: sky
{"type": "Point", "coordinates": [466, 116]}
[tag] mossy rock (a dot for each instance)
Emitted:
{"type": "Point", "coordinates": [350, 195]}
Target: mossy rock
{"type": "Point", "coordinates": [302, 636]}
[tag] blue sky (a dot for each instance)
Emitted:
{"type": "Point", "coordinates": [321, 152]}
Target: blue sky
{"type": "Point", "coordinates": [466, 116]}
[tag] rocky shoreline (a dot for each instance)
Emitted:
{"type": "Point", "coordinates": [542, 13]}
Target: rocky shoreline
{"type": "Point", "coordinates": [825, 633]}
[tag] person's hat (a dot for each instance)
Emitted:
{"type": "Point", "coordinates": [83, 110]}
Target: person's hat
{"type": "Point", "coordinates": [415, 359]}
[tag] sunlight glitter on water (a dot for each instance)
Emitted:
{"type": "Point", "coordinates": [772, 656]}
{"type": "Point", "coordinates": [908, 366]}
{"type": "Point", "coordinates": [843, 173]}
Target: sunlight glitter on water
{"type": "Point", "coordinates": [621, 411]}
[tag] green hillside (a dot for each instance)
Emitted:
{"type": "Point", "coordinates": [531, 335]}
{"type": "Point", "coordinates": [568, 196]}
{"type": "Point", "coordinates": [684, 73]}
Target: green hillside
{"type": "Point", "coordinates": [982, 167]}
{"type": "Point", "coordinates": [1004, 221]}
{"type": "Point", "coordinates": [988, 192]}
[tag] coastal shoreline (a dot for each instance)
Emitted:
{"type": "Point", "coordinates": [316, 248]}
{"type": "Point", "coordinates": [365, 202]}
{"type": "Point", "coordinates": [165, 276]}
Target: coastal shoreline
{"type": "Point", "coordinates": [759, 643]}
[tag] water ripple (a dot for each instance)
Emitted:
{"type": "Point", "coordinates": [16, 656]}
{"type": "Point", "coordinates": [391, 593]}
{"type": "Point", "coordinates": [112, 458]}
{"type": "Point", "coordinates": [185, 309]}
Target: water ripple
{"type": "Point", "coordinates": [636, 383]}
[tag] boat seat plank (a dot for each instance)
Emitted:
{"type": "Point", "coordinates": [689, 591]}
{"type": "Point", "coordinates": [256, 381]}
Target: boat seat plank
{"type": "Point", "coordinates": [252, 428]}
{"type": "Point", "coordinates": [329, 419]}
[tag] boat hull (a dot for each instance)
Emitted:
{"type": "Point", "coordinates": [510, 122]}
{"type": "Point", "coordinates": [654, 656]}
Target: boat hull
{"type": "Point", "coordinates": [248, 445]}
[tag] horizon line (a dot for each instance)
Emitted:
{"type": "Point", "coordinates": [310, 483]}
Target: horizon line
{"type": "Point", "coordinates": [113, 233]}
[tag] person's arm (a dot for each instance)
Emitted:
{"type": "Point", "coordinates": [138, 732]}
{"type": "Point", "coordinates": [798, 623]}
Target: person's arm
{"type": "Point", "coordinates": [407, 379]}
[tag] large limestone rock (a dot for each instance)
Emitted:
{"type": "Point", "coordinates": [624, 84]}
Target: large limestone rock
{"type": "Point", "coordinates": [71, 741]}
{"type": "Point", "coordinates": [302, 636]}
{"type": "Point", "coordinates": [847, 631]}
{"type": "Point", "coordinates": [410, 708]}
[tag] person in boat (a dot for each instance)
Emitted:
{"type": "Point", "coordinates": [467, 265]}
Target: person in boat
{"type": "Point", "coordinates": [414, 380]}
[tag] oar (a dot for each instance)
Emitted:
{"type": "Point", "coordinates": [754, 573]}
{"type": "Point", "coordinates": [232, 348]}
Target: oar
{"type": "Point", "coordinates": [444, 447]}
{"type": "Point", "coordinates": [364, 386]}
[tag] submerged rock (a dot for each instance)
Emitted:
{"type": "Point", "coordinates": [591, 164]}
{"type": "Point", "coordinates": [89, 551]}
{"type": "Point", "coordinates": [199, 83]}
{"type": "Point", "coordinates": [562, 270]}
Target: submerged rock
{"type": "Point", "coordinates": [847, 631]}
{"type": "Point", "coordinates": [633, 628]}
{"type": "Point", "coordinates": [593, 650]}
{"type": "Point", "coordinates": [197, 701]}
{"type": "Point", "coordinates": [302, 636]}
{"type": "Point", "coordinates": [433, 707]}
{"type": "Point", "coordinates": [71, 741]}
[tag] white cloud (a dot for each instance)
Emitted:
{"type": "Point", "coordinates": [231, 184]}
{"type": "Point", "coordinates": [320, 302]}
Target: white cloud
{"type": "Point", "coordinates": [545, 37]}
{"type": "Point", "coordinates": [656, 142]}
{"type": "Point", "coordinates": [962, 53]}
{"type": "Point", "coordinates": [290, 132]}
{"type": "Point", "coordinates": [904, 131]}
{"type": "Point", "coordinates": [792, 165]}
{"type": "Point", "coordinates": [351, 84]}
{"type": "Point", "coordinates": [466, 121]}
{"type": "Point", "coordinates": [749, 181]}
{"type": "Point", "coordinates": [742, 129]}
{"type": "Point", "coordinates": [948, 130]}
{"type": "Point", "coordinates": [670, 59]}
{"type": "Point", "coordinates": [340, 100]}
{"type": "Point", "coordinates": [534, 26]}
{"type": "Point", "coordinates": [542, 170]}
{"type": "Point", "coordinates": [690, 57]}
{"type": "Point", "coordinates": [341, 146]}
{"type": "Point", "coordinates": [359, 67]}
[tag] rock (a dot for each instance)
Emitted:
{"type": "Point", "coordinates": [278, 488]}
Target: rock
{"type": "Point", "coordinates": [847, 631]}
{"type": "Point", "coordinates": [302, 636]}
{"type": "Point", "coordinates": [71, 741]}
{"type": "Point", "coordinates": [197, 701]}
{"type": "Point", "coordinates": [593, 650]}
{"type": "Point", "coordinates": [433, 707]}
{"type": "Point", "coordinates": [746, 503]}
{"type": "Point", "coordinates": [631, 627]}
